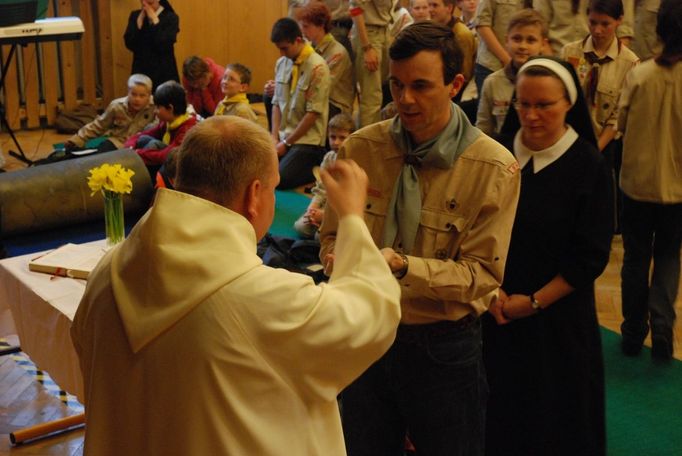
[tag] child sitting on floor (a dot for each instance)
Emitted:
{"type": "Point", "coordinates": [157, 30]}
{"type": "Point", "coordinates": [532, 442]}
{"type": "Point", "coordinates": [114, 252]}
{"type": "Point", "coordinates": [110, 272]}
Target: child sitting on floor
{"type": "Point", "coordinates": [235, 84]}
{"type": "Point", "coordinates": [339, 128]}
{"type": "Point", "coordinates": [154, 145]}
{"type": "Point", "coordinates": [123, 118]}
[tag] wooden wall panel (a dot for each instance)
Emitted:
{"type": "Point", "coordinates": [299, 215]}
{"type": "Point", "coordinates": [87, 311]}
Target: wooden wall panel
{"type": "Point", "coordinates": [31, 85]}
{"type": "Point", "coordinates": [103, 38]}
{"type": "Point", "coordinates": [68, 62]}
{"type": "Point", "coordinates": [11, 92]}
{"type": "Point", "coordinates": [88, 65]}
{"type": "Point", "coordinates": [225, 30]}
{"type": "Point", "coordinates": [50, 75]}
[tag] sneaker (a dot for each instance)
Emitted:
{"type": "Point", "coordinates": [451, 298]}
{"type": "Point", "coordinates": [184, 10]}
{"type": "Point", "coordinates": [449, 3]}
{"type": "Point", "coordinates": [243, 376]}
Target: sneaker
{"type": "Point", "coordinates": [661, 348]}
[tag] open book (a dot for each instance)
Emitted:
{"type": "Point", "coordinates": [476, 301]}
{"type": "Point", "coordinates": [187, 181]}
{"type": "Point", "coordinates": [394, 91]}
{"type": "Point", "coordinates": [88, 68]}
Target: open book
{"type": "Point", "coordinates": [69, 260]}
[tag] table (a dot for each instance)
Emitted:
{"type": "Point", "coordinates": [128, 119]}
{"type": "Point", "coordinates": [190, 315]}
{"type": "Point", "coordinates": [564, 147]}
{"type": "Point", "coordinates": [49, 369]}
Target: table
{"type": "Point", "coordinates": [42, 308]}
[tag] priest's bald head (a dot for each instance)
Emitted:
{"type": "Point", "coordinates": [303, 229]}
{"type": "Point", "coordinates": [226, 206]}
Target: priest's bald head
{"type": "Point", "coordinates": [231, 162]}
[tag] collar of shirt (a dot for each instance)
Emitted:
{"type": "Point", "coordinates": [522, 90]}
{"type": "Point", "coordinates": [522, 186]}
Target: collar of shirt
{"type": "Point", "coordinates": [611, 52]}
{"type": "Point", "coordinates": [545, 157]}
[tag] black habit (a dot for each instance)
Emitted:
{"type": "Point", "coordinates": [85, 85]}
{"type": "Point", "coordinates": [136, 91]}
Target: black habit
{"type": "Point", "coordinates": [152, 46]}
{"type": "Point", "coordinates": [546, 371]}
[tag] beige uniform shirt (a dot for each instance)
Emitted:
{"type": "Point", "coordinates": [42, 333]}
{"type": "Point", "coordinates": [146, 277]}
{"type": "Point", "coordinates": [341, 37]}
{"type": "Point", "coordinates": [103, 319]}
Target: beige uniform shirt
{"type": "Point", "coordinates": [494, 102]}
{"type": "Point", "coordinates": [566, 27]}
{"type": "Point", "coordinates": [494, 14]}
{"type": "Point", "coordinates": [338, 9]}
{"type": "Point", "coordinates": [311, 94]}
{"type": "Point", "coordinates": [242, 110]}
{"type": "Point", "coordinates": [604, 109]}
{"type": "Point", "coordinates": [342, 90]}
{"type": "Point", "coordinates": [376, 12]}
{"type": "Point", "coordinates": [457, 262]}
{"type": "Point", "coordinates": [651, 118]}
{"type": "Point", "coordinates": [646, 43]}
{"type": "Point", "coordinates": [116, 123]}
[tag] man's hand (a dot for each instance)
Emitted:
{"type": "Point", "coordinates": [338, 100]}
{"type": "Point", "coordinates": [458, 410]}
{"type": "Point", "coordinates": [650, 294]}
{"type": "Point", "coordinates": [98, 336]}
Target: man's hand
{"type": "Point", "coordinates": [141, 17]}
{"type": "Point", "coordinates": [518, 306]}
{"type": "Point", "coordinates": [281, 149]}
{"type": "Point", "coordinates": [346, 185]}
{"type": "Point", "coordinates": [371, 59]}
{"type": "Point", "coordinates": [497, 308]}
{"type": "Point", "coordinates": [269, 88]}
{"type": "Point", "coordinates": [151, 14]}
{"type": "Point", "coordinates": [393, 260]}
{"type": "Point", "coordinates": [315, 216]}
{"type": "Point", "coordinates": [328, 264]}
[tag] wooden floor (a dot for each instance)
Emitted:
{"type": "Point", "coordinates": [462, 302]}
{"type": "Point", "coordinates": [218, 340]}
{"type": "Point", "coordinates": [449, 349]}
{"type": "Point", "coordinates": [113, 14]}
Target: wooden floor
{"type": "Point", "coordinates": [23, 402]}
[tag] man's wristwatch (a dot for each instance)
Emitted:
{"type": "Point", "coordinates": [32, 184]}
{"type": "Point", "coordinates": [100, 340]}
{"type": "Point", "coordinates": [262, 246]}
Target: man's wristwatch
{"type": "Point", "coordinates": [534, 303]}
{"type": "Point", "coordinates": [284, 141]}
{"type": "Point", "coordinates": [400, 273]}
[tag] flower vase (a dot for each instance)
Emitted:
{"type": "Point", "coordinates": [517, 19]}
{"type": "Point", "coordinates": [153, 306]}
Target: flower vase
{"type": "Point", "coordinates": [113, 217]}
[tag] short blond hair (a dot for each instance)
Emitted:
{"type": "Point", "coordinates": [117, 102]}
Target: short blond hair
{"type": "Point", "coordinates": [220, 156]}
{"type": "Point", "coordinates": [141, 80]}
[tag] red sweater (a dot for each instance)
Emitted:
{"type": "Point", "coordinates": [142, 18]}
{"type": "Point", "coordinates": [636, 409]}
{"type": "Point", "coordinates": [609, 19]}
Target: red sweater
{"type": "Point", "coordinates": [206, 100]}
{"type": "Point", "coordinates": [157, 157]}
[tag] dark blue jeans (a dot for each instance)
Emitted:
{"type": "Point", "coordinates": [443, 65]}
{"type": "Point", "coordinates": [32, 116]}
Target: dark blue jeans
{"type": "Point", "coordinates": [296, 167]}
{"type": "Point", "coordinates": [650, 229]}
{"type": "Point", "coordinates": [430, 385]}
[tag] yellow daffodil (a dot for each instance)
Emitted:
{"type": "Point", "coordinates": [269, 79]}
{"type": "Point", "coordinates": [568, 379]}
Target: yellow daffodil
{"type": "Point", "coordinates": [110, 178]}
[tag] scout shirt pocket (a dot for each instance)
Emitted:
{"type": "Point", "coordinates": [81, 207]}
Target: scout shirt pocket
{"type": "Point", "coordinates": [441, 233]}
{"type": "Point", "coordinates": [301, 96]}
{"type": "Point", "coordinates": [607, 101]}
{"type": "Point", "coordinates": [375, 216]}
{"type": "Point", "coordinates": [281, 89]}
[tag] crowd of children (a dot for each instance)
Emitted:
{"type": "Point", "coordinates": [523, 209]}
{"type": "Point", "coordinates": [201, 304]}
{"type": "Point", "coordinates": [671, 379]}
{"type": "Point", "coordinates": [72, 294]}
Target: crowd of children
{"type": "Point", "coordinates": [588, 34]}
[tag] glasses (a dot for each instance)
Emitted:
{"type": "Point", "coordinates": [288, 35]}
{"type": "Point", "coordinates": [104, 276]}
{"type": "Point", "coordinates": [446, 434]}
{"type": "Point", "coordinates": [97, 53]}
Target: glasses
{"type": "Point", "coordinates": [542, 107]}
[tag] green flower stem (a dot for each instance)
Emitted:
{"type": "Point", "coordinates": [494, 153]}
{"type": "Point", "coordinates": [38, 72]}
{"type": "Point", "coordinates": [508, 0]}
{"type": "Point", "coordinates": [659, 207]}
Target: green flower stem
{"type": "Point", "coordinates": [113, 217]}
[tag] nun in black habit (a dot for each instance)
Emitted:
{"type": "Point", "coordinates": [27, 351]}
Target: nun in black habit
{"type": "Point", "coordinates": [542, 346]}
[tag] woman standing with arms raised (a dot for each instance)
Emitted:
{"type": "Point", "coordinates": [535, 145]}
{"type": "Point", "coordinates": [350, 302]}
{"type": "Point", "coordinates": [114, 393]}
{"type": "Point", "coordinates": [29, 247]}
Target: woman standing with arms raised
{"type": "Point", "coordinates": [151, 34]}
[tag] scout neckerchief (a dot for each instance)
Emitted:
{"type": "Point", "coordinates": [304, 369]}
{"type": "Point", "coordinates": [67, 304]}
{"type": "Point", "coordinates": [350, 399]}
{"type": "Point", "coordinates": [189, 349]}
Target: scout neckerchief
{"type": "Point", "coordinates": [173, 126]}
{"type": "Point", "coordinates": [404, 209]}
{"type": "Point", "coordinates": [328, 38]}
{"type": "Point", "coordinates": [596, 61]}
{"type": "Point", "coordinates": [510, 71]}
{"type": "Point", "coordinates": [305, 53]}
{"type": "Point", "coordinates": [222, 107]}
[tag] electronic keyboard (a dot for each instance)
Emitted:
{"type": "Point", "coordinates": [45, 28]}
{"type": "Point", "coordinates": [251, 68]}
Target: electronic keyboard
{"type": "Point", "coordinates": [49, 29]}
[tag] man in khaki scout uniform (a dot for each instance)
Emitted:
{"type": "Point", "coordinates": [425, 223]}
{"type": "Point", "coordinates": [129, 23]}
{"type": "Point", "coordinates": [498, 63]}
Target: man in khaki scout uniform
{"type": "Point", "coordinates": [300, 106]}
{"type": "Point", "coordinates": [441, 204]}
{"type": "Point", "coordinates": [370, 37]}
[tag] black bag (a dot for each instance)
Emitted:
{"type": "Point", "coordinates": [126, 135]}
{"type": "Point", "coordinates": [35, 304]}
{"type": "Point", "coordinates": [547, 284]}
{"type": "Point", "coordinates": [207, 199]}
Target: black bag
{"type": "Point", "coordinates": [56, 156]}
{"type": "Point", "coordinates": [294, 255]}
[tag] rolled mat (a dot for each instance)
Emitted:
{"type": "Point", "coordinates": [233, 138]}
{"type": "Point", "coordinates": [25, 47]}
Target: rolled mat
{"type": "Point", "coordinates": [57, 194]}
